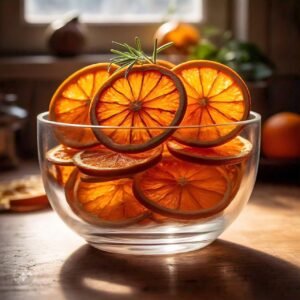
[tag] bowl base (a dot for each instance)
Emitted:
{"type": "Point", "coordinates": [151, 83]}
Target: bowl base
{"type": "Point", "coordinates": [155, 243]}
{"type": "Point", "coordinates": [151, 249]}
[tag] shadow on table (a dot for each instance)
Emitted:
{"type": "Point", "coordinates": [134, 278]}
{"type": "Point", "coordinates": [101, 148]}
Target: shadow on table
{"type": "Point", "coordinates": [223, 270]}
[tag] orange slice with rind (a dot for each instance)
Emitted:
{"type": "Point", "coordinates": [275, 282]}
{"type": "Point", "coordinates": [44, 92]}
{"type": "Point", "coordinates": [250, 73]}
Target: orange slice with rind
{"type": "Point", "coordinates": [109, 203]}
{"type": "Point", "coordinates": [95, 179]}
{"type": "Point", "coordinates": [233, 172]}
{"type": "Point", "coordinates": [165, 63]}
{"type": "Point", "coordinates": [23, 195]}
{"type": "Point", "coordinates": [61, 155]}
{"type": "Point", "coordinates": [71, 101]}
{"type": "Point", "coordinates": [105, 162]}
{"type": "Point", "coordinates": [216, 95]}
{"type": "Point", "coordinates": [182, 190]}
{"type": "Point", "coordinates": [232, 152]}
{"type": "Point", "coordinates": [136, 109]}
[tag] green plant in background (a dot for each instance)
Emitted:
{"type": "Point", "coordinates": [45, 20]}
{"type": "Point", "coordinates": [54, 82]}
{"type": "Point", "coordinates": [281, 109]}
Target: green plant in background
{"type": "Point", "coordinates": [244, 57]}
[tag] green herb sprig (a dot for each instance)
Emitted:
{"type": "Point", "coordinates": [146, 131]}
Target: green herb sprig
{"type": "Point", "coordinates": [129, 56]}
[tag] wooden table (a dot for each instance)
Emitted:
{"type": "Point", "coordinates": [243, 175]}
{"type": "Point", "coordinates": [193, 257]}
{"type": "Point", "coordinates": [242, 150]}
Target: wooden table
{"type": "Point", "coordinates": [258, 257]}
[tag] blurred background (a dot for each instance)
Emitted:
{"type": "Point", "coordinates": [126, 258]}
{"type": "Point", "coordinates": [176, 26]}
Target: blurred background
{"type": "Point", "coordinates": [44, 41]}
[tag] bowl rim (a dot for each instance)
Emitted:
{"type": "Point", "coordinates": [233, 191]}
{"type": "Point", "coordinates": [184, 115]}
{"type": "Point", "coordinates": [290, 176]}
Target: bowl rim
{"type": "Point", "coordinates": [254, 117]}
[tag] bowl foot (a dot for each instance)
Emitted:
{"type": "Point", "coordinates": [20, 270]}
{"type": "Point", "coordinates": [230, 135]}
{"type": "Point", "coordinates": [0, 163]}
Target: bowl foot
{"type": "Point", "coordinates": [152, 244]}
{"type": "Point", "coordinates": [151, 249]}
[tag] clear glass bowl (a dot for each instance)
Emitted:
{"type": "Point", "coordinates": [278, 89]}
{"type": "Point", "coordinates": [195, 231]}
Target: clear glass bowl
{"type": "Point", "coordinates": [162, 235]}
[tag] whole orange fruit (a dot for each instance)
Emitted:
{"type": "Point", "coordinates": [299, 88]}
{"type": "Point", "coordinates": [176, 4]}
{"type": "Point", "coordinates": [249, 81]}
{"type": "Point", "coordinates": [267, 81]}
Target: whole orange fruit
{"type": "Point", "coordinates": [181, 34]}
{"type": "Point", "coordinates": [281, 136]}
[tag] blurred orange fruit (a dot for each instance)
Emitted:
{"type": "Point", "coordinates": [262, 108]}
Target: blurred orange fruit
{"type": "Point", "coordinates": [216, 95]}
{"type": "Point", "coordinates": [71, 102]}
{"type": "Point", "coordinates": [149, 96]}
{"type": "Point", "coordinates": [281, 136]}
{"type": "Point", "coordinates": [181, 34]}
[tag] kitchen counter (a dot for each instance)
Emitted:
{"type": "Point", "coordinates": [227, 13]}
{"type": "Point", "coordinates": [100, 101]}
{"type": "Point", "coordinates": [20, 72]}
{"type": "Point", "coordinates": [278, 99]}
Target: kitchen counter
{"type": "Point", "coordinates": [258, 257]}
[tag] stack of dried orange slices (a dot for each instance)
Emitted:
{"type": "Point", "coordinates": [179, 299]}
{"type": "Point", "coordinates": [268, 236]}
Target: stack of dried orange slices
{"type": "Point", "coordinates": [155, 153]}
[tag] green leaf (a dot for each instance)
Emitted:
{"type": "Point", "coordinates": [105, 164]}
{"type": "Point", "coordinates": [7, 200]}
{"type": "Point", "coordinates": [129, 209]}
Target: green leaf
{"type": "Point", "coordinates": [128, 56]}
{"type": "Point", "coordinates": [138, 44]}
{"type": "Point", "coordinates": [154, 54]}
{"type": "Point", "coordinates": [164, 47]}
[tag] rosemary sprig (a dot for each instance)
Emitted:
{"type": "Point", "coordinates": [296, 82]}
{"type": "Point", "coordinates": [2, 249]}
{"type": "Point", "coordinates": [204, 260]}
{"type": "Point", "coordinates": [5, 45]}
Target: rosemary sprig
{"type": "Point", "coordinates": [129, 56]}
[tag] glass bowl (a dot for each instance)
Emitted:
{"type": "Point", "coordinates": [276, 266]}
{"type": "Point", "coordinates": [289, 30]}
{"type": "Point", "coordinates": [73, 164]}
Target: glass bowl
{"type": "Point", "coordinates": [157, 231]}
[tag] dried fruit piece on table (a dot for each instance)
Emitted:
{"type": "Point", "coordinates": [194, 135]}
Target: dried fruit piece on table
{"type": "Point", "coordinates": [21, 195]}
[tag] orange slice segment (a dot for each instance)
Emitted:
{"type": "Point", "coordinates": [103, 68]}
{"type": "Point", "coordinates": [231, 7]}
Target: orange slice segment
{"type": "Point", "coordinates": [104, 162]}
{"type": "Point", "coordinates": [232, 152]}
{"type": "Point", "coordinates": [216, 95]}
{"type": "Point", "coordinates": [235, 174]}
{"type": "Point", "coordinates": [149, 98]}
{"type": "Point", "coordinates": [71, 101]}
{"type": "Point", "coordinates": [60, 174]}
{"type": "Point", "coordinates": [183, 190]}
{"type": "Point", "coordinates": [109, 203]}
{"type": "Point", "coordinates": [61, 155]}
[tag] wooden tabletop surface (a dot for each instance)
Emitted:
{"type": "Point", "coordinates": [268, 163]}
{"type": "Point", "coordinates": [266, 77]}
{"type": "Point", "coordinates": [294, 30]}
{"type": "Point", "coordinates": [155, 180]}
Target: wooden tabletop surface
{"type": "Point", "coordinates": [258, 257]}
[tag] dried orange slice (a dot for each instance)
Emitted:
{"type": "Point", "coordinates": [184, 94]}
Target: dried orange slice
{"type": "Point", "coordinates": [232, 152]}
{"type": "Point", "coordinates": [150, 97]}
{"type": "Point", "coordinates": [29, 203]}
{"type": "Point", "coordinates": [60, 174]}
{"type": "Point", "coordinates": [91, 178]}
{"type": "Point", "coordinates": [216, 95]}
{"type": "Point", "coordinates": [235, 174]}
{"type": "Point", "coordinates": [165, 63]}
{"type": "Point", "coordinates": [61, 155]}
{"type": "Point", "coordinates": [182, 190]}
{"type": "Point", "coordinates": [22, 195]}
{"type": "Point", "coordinates": [109, 203]}
{"type": "Point", "coordinates": [71, 101]}
{"type": "Point", "coordinates": [104, 162]}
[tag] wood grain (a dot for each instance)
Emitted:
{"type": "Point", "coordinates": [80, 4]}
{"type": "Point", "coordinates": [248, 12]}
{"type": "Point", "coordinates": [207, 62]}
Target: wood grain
{"type": "Point", "coordinates": [258, 257]}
